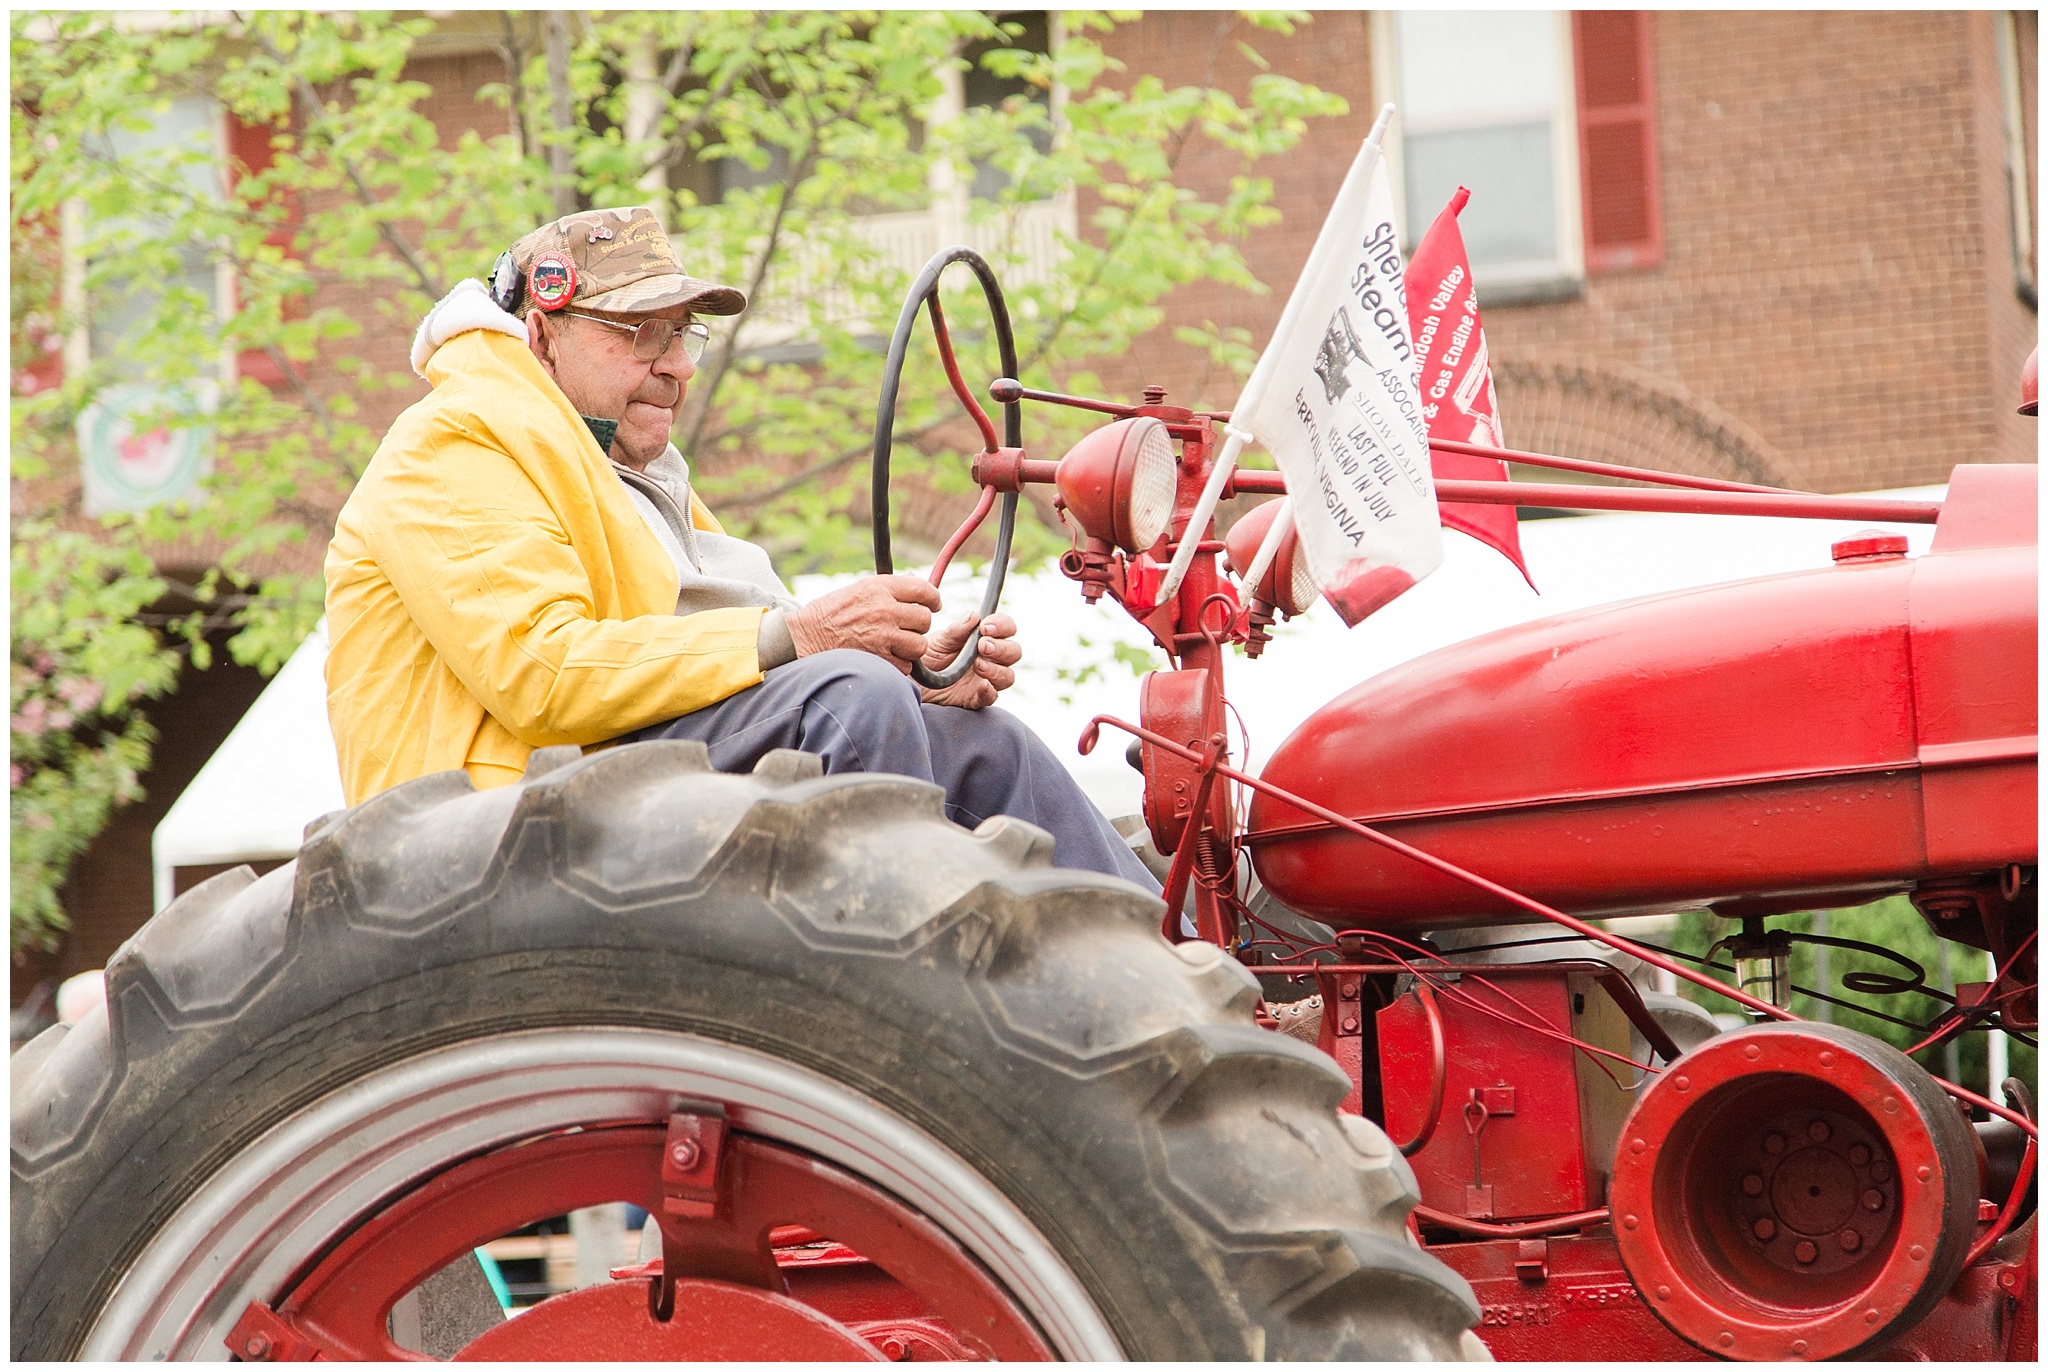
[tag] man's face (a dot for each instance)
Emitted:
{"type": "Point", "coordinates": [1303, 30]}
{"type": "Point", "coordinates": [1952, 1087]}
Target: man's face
{"type": "Point", "coordinates": [594, 365]}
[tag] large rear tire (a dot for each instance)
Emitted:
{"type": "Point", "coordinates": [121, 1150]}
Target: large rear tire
{"type": "Point", "coordinates": [1007, 1048]}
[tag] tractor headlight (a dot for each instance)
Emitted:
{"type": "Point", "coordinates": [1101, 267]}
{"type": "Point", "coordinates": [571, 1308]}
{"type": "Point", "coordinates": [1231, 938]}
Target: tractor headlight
{"type": "Point", "coordinates": [1119, 482]}
{"type": "Point", "coordinates": [1303, 591]}
{"type": "Point", "coordinates": [1287, 584]}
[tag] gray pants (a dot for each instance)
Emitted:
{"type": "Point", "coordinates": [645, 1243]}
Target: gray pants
{"type": "Point", "coordinates": [860, 714]}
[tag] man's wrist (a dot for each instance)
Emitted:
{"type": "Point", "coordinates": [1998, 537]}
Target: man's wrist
{"type": "Point", "coordinates": [773, 644]}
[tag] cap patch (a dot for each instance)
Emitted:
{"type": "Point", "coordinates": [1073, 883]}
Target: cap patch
{"type": "Point", "coordinates": [551, 280]}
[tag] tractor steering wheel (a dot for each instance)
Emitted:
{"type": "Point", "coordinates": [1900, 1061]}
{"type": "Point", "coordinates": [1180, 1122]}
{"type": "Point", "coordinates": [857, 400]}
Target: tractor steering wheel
{"type": "Point", "coordinates": [925, 291]}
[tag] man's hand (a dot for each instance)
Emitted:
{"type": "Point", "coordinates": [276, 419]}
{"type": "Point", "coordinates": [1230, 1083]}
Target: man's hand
{"type": "Point", "coordinates": [999, 654]}
{"type": "Point", "coordinates": [884, 615]}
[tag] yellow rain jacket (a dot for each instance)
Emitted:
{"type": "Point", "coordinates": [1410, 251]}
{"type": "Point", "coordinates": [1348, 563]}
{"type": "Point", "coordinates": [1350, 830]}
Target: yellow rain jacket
{"type": "Point", "coordinates": [491, 588]}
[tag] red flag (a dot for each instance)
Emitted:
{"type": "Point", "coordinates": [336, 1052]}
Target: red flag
{"type": "Point", "coordinates": [1456, 382]}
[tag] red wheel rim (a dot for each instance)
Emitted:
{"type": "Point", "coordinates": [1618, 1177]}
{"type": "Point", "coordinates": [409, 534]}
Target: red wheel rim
{"type": "Point", "coordinates": [343, 1303]}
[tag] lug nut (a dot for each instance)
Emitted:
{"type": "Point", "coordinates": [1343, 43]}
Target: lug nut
{"type": "Point", "coordinates": [684, 1153]}
{"type": "Point", "coordinates": [1774, 1143]}
{"type": "Point", "coordinates": [1818, 1131]}
{"type": "Point", "coordinates": [1851, 1240]}
{"type": "Point", "coordinates": [1873, 1200]}
{"type": "Point", "coordinates": [1752, 1185]}
{"type": "Point", "coordinates": [1880, 1170]}
{"type": "Point", "coordinates": [1860, 1154]}
{"type": "Point", "coordinates": [1805, 1251]}
{"type": "Point", "coordinates": [1765, 1229]}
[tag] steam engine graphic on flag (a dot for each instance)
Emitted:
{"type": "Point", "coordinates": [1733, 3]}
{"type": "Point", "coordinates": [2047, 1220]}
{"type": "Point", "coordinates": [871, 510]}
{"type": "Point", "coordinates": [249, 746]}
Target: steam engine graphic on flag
{"type": "Point", "coordinates": [1346, 401]}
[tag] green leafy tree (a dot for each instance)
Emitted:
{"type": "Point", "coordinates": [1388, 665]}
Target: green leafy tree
{"type": "Point", "coordinates": [769, 141]}
{"type": "Point", "coordinates": [80, 666]}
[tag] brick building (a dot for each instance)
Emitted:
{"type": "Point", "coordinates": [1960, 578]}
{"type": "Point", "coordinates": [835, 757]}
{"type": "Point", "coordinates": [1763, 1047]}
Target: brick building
{"type": "Point", "coordinates": [1795, 248]}
{"type": "Point", "coordinates": [1810, 269]}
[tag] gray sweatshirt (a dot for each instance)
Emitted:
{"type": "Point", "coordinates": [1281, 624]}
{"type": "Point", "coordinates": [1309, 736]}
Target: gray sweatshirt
{"type": "Point", "coordinates": [717, 571]}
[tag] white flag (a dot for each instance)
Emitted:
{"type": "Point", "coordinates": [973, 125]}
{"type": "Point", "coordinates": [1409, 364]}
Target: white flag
{"type": "Point", "coordinates": [1335, 399]}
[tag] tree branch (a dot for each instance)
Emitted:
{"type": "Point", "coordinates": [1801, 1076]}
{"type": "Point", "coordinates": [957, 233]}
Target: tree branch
{"type": "Point", "coordinates": [562, 111]}
{"type": "Point", "coordinates": [515, 65]}
{"type": "Point", "coordinates": [728, 353]}
{"type": "Point", "coordinates": [314, 108]}
{"type": "Point", "coordinates": [673, 78]}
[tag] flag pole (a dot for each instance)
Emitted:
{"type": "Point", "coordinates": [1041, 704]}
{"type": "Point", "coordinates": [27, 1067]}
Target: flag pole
{"type": "Point", "coordinates": [1328, 242]}
{"type": "Point", "coordinates": [1269, 546]}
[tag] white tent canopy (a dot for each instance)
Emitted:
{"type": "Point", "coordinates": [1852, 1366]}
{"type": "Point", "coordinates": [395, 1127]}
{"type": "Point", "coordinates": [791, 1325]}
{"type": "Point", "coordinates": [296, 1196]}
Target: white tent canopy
{"type": "Point", "coordinates": [276, 772]}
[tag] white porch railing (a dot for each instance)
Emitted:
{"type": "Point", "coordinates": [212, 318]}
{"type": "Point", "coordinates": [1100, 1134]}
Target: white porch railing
{"type": "Point", "coordinates": [1023, 242]}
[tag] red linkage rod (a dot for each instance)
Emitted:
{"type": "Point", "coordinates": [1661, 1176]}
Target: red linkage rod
{"type": "Point", "coordinates": [1791, 505]}
{"type": "Point", "coordinates": [1613, 469]}
{"type": "Point", "coordinates": [963, 533]}
{"type": "Point", "coordinates": [1091, 735]}
{"type": "Point", "coordinates": [944, 339]}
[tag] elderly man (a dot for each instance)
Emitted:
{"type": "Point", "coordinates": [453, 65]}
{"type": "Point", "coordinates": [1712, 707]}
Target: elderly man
{"type": "Point", "coordinates": [524, 564]}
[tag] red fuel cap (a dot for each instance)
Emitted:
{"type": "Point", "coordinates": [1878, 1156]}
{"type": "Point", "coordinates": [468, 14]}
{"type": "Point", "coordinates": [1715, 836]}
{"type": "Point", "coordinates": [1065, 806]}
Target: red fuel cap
{"type": "Point", "coordinates": [1869, 546]}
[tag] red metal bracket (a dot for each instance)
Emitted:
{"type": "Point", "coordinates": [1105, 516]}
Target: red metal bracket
{"type": "Point", "coordinates": [263, 1335]}
{"type": "Point", "coordinates": [1188, 848]}
{"type": "Point", "coordinates": [1342, 1033]}
{"type": "Point", "coordinates": [692, 1158]}
{"type": "Point", "coordinates": [689, 1165]}
{"type": "Point", "coordinates": [1003, 469]}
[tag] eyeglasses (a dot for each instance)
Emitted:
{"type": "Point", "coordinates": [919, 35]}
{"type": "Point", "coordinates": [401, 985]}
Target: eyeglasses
{"type": "Point", "coordinates": [651, 337]}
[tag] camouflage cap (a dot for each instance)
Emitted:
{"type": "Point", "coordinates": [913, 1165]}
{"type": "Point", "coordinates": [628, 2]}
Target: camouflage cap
{"type": "Point", "coordinates": [614, 261]}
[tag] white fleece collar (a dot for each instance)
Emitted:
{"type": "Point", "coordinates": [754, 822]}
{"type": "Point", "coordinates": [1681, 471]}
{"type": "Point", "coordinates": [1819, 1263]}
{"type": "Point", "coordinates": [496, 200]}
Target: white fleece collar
{"type": "Point", "coordinates": [468, 306]}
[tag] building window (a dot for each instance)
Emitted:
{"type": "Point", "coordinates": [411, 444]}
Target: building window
{"type": "Point", "coordinates": [183, 142]}
{"type": "Point", "coordinates": [1487, 101]}
{"type": "Point", "coordinates": [981, 88]}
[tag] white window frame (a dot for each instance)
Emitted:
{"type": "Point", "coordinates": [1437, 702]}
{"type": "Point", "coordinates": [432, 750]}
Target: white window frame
{"type": "Point", "coordinates": [2017, 189]}
{"type": "Point", "coordinates": [73, 297]}
{"type": "Point", "coordinates": [1500, 283]}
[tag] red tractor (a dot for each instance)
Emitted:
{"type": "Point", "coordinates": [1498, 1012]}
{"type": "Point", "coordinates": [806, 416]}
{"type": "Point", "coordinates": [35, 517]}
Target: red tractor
{"type": "Point", "coordinates": [890, 1089]}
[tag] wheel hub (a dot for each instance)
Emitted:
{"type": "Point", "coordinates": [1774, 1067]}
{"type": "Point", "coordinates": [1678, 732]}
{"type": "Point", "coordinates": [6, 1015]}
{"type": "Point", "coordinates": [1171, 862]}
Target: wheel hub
{"type": "Point", "coordinates": [1817, 1190]}
{"type": "Point", "coordinates": [713, 1322]}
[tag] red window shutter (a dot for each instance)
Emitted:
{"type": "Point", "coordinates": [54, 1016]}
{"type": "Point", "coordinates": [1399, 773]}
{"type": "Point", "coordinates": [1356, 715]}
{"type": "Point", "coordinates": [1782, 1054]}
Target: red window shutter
{"type": "Point", "coordinates": [249, 154]}
{"type": "Point", "coordinates": [1617, 139]}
